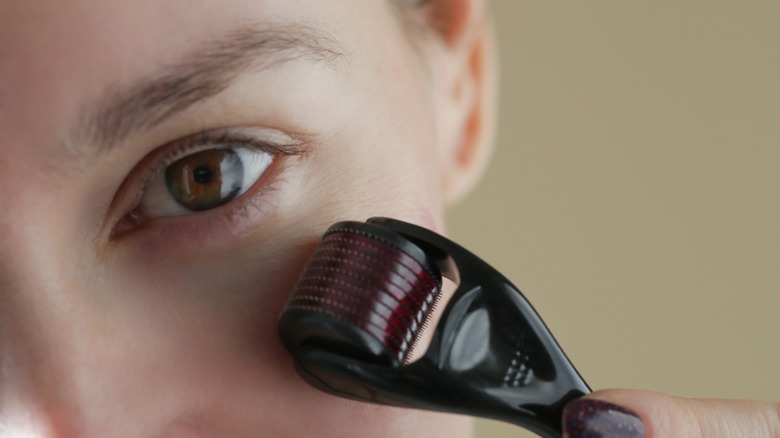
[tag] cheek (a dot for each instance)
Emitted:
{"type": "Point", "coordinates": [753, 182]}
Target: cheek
{"type": "Point", "coordinates": [380, 161]}
{"type": "Point", "coordinates": [377, 169]}
{"type": "Point", "coordinates": [240, 287]}
{"type": "Point", "coordinates": [205, 330]}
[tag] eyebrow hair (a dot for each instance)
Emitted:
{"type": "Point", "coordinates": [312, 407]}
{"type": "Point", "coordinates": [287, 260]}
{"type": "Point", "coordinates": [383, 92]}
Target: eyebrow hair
{"type": "Point", "coordinates": [201, 74]}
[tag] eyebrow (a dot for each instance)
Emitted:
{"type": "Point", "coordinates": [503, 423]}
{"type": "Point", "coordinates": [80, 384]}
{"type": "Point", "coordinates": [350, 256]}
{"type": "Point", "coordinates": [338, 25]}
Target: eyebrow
{"type": "Point", "coordinates": [201, 74]}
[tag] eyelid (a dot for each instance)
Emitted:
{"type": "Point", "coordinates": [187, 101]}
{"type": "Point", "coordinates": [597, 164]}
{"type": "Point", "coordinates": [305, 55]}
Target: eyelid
{"type": "Point", "coordinates": [282, 144]}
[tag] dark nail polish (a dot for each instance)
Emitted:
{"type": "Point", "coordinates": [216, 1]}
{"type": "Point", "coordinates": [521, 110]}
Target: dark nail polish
{"type": "Point", "coordinates": [589, 418]}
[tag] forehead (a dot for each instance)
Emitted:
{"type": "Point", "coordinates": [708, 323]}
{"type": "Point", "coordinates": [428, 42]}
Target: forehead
{"type": "Point", "coordinates": [65, 54]}
{"type": "Point", "coordinates": [77, 37]}
{"type": "Point", "coordinates": [56, 45]}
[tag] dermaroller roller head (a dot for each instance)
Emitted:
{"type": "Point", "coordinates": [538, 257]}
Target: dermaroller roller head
{"type": "Point", "coordinates": [365, 290]}
{"type": "Point", "coordinates": [364, 297]}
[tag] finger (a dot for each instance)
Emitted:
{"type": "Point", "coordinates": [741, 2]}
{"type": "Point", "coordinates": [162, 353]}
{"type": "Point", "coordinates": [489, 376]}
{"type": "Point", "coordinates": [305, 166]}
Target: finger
{"type": "Point", "coordinates": [635, 414]}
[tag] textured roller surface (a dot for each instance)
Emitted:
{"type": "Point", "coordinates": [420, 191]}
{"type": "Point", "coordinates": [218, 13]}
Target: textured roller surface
{"type": "Point", "coordinates": [365, 290]}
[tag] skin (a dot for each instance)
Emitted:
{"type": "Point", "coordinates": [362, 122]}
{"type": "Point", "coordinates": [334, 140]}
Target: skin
{"type": "Point", "coordinates": [111, 325]}
{"type": "Point", "coordinates": [167, 327]}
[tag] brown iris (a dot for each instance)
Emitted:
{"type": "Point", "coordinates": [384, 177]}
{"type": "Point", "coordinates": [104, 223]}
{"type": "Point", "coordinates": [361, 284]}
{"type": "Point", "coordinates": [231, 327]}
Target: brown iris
{"type": "Point", "coordinates": [206, 179]}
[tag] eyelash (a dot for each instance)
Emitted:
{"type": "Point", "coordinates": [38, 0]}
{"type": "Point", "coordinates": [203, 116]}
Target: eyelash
{"type": "Point", "coordinates": [200, 222]}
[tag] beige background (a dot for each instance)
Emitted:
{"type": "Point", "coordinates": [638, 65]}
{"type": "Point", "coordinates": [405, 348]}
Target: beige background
{"type": "Point", "coordinates": [634, 194]}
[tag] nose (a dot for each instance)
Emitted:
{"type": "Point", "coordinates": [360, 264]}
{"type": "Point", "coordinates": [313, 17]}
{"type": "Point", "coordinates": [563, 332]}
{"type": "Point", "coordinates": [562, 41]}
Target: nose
{"type": "Point", "coordinates": [38, 361]}
{"type": "Point", "coordinates": [21, 420]}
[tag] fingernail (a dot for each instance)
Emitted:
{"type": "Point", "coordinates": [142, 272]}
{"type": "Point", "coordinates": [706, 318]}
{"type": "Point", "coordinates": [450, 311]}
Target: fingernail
{"type": "Point", "coordinates": [589, 418]}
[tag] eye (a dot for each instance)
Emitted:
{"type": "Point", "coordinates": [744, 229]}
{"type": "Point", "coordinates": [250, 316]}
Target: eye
{"type": "Point", "coordinates": [210, 170]}
{"type": "Point", "coordinates": [203, 180]}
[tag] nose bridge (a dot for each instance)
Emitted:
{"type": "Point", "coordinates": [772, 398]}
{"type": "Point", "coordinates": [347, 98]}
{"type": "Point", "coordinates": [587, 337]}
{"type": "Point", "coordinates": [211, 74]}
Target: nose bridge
{"type": "Point", "coordinates": [34, 368]}
{"type": "Point", "coordinates": [29, 270]}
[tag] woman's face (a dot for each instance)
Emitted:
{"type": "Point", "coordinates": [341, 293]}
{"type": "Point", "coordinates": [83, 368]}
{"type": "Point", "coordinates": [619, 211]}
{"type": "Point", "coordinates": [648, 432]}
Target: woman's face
{"type": "Point", "coordinates": [166, 168]}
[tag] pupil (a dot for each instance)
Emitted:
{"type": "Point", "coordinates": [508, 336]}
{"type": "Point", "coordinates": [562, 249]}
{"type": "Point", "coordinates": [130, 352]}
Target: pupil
{"type": "Point", "coordinates": [201, 174]}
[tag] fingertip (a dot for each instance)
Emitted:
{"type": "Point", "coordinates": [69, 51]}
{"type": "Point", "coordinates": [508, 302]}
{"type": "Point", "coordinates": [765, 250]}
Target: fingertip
{"type": "Point", "coordinates": [591, 417]}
